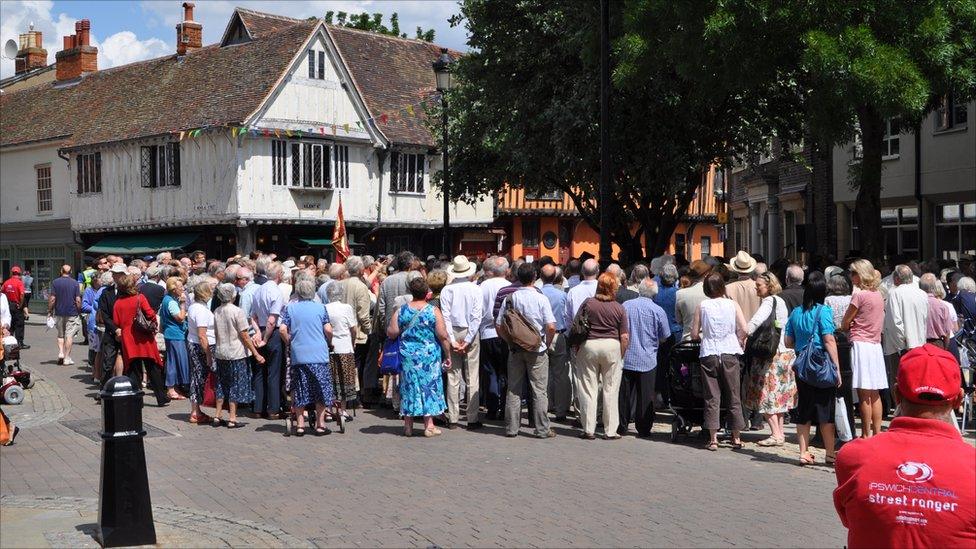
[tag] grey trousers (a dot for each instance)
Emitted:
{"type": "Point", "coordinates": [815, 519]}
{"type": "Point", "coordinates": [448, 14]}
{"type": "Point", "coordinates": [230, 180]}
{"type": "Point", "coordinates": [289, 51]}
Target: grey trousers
{"type": "Point", "coordinates": [535, 367]}
{"type": "Point", "coordinates": [560, 384]}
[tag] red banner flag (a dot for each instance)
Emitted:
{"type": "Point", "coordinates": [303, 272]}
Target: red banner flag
{"type": "Point", "coordinates": [339, 241]}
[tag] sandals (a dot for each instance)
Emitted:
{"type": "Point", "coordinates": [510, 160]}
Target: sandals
{"type": "Point", "coordinates": [217, 422]}
{"type": "Point", "coordinates": [807, 459]}
{"type": "Point", "coordinates": [768, 442]}
{"type": "Point", "coordinates": [432, 432]}
{"type": "Point", "coordinates": [299, 431]}
{"type": "Point", "coordinates": [200, 419]}
{"type": "Point", "coordinates": [322, 431]}
{"type": "Point", "coordinates": [712, 447]}
{"type": "Point", "coordinates": [233, 425]}
{"type": "Point", "coordinates": [830, 460]}
{"type": "Point", "coordinates": [737, 445]}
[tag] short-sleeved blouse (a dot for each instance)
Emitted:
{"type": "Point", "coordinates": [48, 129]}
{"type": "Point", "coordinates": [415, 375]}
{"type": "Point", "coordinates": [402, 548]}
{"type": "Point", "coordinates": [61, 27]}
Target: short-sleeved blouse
{"type": "Point", "coordinates": [805, 325]}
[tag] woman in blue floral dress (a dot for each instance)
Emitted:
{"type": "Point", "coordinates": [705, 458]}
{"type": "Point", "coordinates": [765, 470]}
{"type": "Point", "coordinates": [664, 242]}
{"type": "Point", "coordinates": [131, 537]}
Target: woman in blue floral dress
{"type": "Point", "coordinates": [423, 350]}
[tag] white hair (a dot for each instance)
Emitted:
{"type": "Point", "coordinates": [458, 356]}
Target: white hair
{"type": "Point", "coordinates": [305, 289]}
{"type": "Point", "coordinates": [794, 274]}
{"type": "Point", "coordinates": [647, 288]}
{"type": "Point", "coordinates": [966, 284]}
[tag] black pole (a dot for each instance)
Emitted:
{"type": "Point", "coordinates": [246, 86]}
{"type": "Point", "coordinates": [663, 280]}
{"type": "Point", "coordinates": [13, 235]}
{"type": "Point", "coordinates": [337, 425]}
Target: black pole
{"type": "Point", "coordinates": [604, 201]}
{"type": "Point", "coordinates": [124, 505]}
{"type": "Point", "coordinates": [447, 182]}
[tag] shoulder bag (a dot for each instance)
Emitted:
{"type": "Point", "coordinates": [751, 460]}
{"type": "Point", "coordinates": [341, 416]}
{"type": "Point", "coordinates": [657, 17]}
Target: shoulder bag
{"type": "Point", "coordinates": [813, 365]}
{"type": "Point", "coordinates": [764, 342]}
{"type": "Point", "coordinates": [390, 363]}
{"type": "Point", "coordinates": [141, 323]}
{"type": "Point", "coordinates": [521, 333]}
{"type": "Point", "coordinates": [579, 331]}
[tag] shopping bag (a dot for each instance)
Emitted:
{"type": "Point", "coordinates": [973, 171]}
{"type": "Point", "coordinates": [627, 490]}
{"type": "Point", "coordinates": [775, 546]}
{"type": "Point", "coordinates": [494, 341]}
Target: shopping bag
{"type": "Point", "coordinates": [841, 423]}
{"type": "Point", "coordinates": [209, 391]}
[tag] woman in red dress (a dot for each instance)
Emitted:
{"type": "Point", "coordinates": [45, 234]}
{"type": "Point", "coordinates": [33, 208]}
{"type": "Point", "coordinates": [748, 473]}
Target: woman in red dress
{"type": "Point", "coordinates": [139, 351]}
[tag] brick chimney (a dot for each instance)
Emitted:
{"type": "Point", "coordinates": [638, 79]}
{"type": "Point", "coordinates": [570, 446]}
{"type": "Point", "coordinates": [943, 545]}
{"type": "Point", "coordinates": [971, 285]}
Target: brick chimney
{"type": "Point", "coordinates": [189, 33]}
{"type": "Point", "coordinates": [31, 54]}
{"type": "Point", "coordinates": [78, 57]}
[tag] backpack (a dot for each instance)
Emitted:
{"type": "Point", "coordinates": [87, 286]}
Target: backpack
{"type": "Point", "coordinates": [521, 333]}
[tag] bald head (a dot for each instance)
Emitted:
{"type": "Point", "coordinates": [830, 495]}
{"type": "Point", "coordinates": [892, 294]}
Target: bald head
{"type": "Point", "coordinates": [548, 273]}
{"type": "Point", "coordinates": [591, 268]}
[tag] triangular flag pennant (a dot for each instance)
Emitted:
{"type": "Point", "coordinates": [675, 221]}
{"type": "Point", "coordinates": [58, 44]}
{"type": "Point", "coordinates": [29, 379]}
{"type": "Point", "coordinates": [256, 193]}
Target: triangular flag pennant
{"type": "Point", "coordinates": [233, 132]}
{"type": "Point", "coordinates": [339, 241]}
{"type": "Point", "coordinates": [182, 135]}
{"type": "Point", "coordinates": [267, 132]}
{"type": "Point", "coordinates": [359, 124]}
{"type": "Point", "coordinates": [322, 130]}
{"type": "Point", "coordinates": [410, 110]}
{"type": "Point", "coordinates": [277, 132]}
{"type": "Point", "coordinates": [333, 129]}
{"type": "Point", "coordinates": [287, 132]}
{"type": "Point", "coordinates": [345, 127]}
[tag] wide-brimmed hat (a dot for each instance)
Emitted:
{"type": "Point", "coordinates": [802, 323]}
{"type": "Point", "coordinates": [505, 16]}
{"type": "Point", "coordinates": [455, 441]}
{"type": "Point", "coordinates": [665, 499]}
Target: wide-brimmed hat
{"type": "Point", "coordinates": [119, 268]}
{"type": "Point", "coordinates": [461, 267]}
{"type": "Point", "coordinates": [742, 263]}
{"type": "Point", "coordinates": [698, 269]}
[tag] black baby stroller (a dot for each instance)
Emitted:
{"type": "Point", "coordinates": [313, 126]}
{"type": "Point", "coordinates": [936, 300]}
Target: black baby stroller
{"type": "Point", "coordinates": [685, 395]}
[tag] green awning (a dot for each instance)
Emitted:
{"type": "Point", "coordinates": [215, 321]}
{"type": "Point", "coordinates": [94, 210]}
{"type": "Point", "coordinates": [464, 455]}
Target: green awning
{"type": "Point", "coordinates": [326, 241]}
{"type": "Point", "coordinates": [134, 244]}
{"type": "Point", "coordinates": [317, 241]}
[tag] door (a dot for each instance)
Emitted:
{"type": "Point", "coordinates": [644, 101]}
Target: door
{"type": "Point", "coordinates": [565, 240]}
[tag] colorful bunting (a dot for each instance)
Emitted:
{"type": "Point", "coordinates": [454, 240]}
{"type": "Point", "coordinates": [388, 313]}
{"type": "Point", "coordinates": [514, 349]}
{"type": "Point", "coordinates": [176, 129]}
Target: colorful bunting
{"type": "Point", "coordinates": [345, 127]}
{"type": "Point", "coordinates": [182, 135]}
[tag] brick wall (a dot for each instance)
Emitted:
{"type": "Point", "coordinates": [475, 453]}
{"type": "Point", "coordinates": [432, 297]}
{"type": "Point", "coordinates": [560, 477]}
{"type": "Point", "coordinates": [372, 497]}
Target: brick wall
{"type": "Point", "coordinates": [194, 37]}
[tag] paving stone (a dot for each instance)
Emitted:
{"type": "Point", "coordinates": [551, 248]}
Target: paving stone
{"type": "Point", "coordinates": [373, 487]}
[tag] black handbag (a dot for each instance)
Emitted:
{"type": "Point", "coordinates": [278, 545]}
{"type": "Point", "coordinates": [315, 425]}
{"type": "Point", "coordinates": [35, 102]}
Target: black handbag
{"type": "Point", "coordinates": [764, 342]}
{"type": "Point", "coordinates": [143, 324]}
{"type": "Point", "coordinates": [580, 329]}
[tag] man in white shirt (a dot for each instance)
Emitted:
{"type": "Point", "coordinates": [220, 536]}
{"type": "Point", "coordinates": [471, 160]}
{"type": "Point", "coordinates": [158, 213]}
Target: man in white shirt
{"type": "Point", "coordinates": [522, 363]}
{"type": "Point", "coordinates": [905, 313]}
{"type": "Point", "coordinates": [688, 299]}
{"type": "Point", "coordinates": [582, 291]}
{"type": "Point", "coordinates": [266, 308]}
{"type": "Point", "coordinates": [462, 307]}
{"type": "Point", "coordinates": [494, 350]}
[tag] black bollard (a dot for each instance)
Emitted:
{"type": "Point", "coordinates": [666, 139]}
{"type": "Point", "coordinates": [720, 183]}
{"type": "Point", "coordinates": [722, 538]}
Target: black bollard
{"type": "Point", "coordinates": [124, 507]}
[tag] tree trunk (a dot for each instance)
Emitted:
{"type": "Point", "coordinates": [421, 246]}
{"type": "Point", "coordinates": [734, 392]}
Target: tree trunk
{"type": "Point", "coordinates": [867, 209]}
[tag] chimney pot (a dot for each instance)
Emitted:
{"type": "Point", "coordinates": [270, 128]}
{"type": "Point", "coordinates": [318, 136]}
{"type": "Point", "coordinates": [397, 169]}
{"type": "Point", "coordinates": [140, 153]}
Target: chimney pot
{"type": "Point", "coordinates": [78, 56]}
{"type": "Point", "coordinates": [188, 11]}
{"type": "Point", "coordinates": [31, 54]}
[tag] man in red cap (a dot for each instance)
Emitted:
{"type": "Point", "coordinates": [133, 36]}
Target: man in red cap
{"type": "Point", "coordinates": [13, 288]}
{"type": "Point", "coordinates": [914, 485]}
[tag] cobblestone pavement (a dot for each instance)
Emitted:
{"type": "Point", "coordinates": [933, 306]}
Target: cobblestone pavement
{"type": "Point", "coordinates": [45, 402]}
{"type": "Point", "coordinates": [372, 487]}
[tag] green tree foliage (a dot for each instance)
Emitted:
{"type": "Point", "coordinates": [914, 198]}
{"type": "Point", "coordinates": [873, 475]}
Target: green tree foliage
{"type": "Point", "coordinates": [525, 112]}
{"type": "Point", "coordinates": [374, 23]}
{"type": "Point", "coordinates": [852, 65]}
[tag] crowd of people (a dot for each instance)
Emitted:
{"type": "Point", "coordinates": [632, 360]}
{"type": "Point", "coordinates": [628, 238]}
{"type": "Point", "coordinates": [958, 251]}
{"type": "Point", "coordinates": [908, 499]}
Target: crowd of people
{"type": "Point", "coordinates": [304, 338]}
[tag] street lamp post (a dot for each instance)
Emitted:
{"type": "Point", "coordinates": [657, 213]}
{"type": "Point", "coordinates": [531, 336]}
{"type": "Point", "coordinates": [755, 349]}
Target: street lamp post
{"type": "Point", "coordinates": [445, 80]}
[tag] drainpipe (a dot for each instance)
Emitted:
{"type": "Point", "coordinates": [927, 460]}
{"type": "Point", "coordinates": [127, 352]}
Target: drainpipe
{"type": "Point", "coordinates": [922, 232]}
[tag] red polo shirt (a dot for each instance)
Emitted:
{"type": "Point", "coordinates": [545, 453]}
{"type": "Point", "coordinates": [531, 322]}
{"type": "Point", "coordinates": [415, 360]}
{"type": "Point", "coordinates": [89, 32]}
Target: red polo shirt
{"type": "Point", "coordinates": [912, 486]}
{"type": "Point", "coordinates": [13, 288]}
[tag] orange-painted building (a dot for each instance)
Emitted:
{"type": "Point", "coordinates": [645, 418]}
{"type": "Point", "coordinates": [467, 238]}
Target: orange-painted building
{"type": "Point", "coordinates": [550, 225]}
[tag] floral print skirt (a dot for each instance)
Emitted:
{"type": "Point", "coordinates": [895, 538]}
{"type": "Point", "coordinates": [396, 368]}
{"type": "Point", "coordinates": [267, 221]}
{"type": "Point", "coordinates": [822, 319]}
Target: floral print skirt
{"type": "Point", "coordinates": [199, 369]}
{"type": "Point", "coordinates": [233, 381]}
{"type": "Point", "coordinates": [772, 389]}
{"type": "Point", "coordinates": [311, 383]}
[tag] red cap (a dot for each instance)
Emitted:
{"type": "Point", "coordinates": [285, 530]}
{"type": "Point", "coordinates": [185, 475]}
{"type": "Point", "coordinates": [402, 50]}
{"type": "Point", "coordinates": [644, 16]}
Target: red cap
{"type": "Point", "coordinates": [15, 270]}
{"type": "Point", "coordinates": [928, 375]}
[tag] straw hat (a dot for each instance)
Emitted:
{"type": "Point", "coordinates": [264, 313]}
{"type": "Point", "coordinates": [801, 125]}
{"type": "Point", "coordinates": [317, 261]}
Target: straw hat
{"type": "Point", "coordinates": [461, 267]}
{"type": "Point", "coordinates": [742, 263]}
